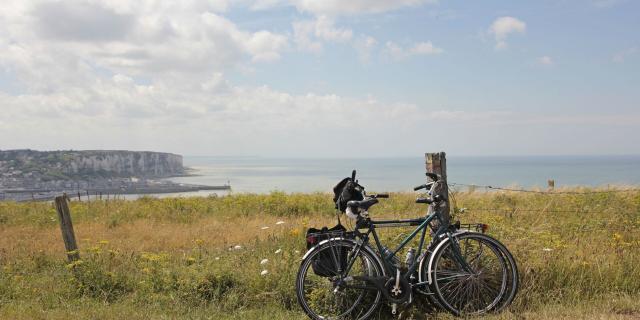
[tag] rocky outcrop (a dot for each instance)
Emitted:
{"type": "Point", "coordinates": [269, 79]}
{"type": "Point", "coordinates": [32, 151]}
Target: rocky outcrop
{"type": "Point", "coordinates": [127, 163]}
{"type": "Point", "coordinates": [56, 165]}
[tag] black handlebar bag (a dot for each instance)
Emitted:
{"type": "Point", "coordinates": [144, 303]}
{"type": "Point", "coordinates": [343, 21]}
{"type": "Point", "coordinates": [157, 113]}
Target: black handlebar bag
{"type": "Point", "coordinates": [327, 263]}
{"type": "Point", "coordinates": [345, 191]}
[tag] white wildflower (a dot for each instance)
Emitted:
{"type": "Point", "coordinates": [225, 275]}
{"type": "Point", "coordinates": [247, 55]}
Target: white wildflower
{"type": "Point", "coordinates": [217, 258]}
{"type": "Point", "coordinates": [547, 249]}
{"type": "Point", "coordinates": [264, 261]}
{"type": "Point", "coordinates": [280, 222]}
{"type": "Point", "coordinates": [278, 251]}
{"type": "Point", "coordinates": [264, 228]}
{"type": "Point", "coordinates": [238, 247]}
{"type": "Point", "coordinates": [297, 251]}
{"type": "Point", "coordinates": [264, 272]}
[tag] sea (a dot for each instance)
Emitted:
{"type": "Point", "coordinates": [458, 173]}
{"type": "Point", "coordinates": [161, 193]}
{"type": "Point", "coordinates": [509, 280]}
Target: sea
{"type": "Point", "coordinates": [264, 175]}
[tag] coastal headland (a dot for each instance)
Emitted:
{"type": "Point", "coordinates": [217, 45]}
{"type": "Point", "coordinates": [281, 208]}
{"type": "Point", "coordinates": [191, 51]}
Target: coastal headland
{"type": "Point", "coordinates": [39, 175]}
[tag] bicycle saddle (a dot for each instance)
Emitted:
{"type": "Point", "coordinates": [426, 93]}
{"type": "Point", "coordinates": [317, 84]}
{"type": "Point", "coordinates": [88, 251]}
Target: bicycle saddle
{"type": "Point", "coordinates": [363, 204]}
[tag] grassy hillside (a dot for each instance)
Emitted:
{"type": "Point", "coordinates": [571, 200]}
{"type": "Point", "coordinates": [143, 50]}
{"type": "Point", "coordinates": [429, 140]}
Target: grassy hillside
{"type": "Point", "coordinates": [199, 258]}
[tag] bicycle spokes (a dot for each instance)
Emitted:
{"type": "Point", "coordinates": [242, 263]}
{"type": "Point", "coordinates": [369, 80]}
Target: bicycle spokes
{"type": "Point", "coordinates": [475, 286]}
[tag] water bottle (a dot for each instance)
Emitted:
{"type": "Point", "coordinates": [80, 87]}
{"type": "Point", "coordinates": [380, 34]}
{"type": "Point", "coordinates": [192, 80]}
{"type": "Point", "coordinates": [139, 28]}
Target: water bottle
{"type": "Point", "coordinates": [386, 253]}
{"type": "Point", "coordinates": [411, 256]}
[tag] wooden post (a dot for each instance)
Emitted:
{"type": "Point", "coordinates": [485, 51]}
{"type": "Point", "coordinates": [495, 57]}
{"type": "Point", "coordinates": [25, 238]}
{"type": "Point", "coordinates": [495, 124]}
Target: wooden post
{"type": "Point", "coordinates": [68, 236]}
{"type": "Point", "coordinates": [437, 163]}
{"type": "Point", "coordinates": [551, 184]}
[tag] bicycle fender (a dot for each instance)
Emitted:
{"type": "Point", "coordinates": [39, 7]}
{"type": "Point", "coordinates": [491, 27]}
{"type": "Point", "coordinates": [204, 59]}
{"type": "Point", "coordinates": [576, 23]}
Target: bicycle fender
{"type": "Point", "coordinates": [366, 248]}
{"type": "Point", "coordinates": [430, 265]}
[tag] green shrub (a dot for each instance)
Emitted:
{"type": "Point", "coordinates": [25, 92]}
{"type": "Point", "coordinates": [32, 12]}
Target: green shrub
{"type": "Point", "coordinates": [215, 287]}
{"type": "Point", "coordinates": [92, 280]}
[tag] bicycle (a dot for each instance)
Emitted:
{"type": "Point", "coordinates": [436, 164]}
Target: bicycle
{"type": "Point", "coordinates": [463, 271]}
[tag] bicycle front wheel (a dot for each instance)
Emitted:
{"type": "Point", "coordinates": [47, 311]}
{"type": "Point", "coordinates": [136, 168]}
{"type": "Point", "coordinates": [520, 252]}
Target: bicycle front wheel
{"type": "Point", "coordinates": [325, 284]}
{"type": "Point", "coordinates": [470, 274]}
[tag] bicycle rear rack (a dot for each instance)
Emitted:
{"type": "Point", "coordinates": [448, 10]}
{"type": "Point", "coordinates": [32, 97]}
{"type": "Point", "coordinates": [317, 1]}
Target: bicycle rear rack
{"type": "Point", "coordinates": [313, 238]}
{"type": "Point", "coordinates": [477, 227]}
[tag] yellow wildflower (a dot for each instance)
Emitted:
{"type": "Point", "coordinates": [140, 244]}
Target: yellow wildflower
{"type": "Point", "coordinates": [617, 237]}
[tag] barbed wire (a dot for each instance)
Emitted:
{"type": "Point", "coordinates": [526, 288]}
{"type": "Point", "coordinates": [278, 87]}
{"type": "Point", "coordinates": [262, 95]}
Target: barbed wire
{"type": "Point", "coordinates": [512, 210]}
{"type": "Point", "coordinates": [453, 184]}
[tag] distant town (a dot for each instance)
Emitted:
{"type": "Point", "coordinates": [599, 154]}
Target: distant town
{"type": "Point", "coordinates": [41, 175]}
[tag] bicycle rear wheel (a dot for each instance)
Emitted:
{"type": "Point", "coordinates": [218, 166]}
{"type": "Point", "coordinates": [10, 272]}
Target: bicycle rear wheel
{"type": "Point", "coordinates": [324, 293]}
{"type": "Point", "coordinates": [470, 275]}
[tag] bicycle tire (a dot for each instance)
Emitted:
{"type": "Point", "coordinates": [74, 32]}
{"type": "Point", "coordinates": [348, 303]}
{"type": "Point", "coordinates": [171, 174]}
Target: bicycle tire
{"type": "Point", "coordinates": [514, 277]}
{"type": "Point", "coordinates": [366, 260]}
{"type": "Point", "coordinates": [475, 291]}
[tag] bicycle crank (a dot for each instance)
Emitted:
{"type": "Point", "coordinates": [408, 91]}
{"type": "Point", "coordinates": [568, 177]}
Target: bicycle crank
{"type": "Point", "coordinates": [397, 289]}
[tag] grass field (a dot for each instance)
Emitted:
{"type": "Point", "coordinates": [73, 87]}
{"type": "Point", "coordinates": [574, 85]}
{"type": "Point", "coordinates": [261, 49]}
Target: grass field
{"type": "Point", "coordinates": [200, 258]}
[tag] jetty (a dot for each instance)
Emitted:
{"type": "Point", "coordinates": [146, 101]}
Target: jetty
{"type": "Point", "coordinates": [22, 195]}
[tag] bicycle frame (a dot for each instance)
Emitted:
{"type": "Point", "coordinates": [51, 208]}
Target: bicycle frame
{"type": "Point", "coordinates": [422, 226]}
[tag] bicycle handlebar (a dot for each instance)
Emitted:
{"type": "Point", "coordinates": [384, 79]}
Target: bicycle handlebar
{"type": "Point", "coordinates": [435, 199]}
{"type": "Point", "coordinates": [424, 200]}
{"type": "Point", "coordinates": [432, 175]}
{"type": "Point", "coordinates": [424, 186]}
{"type": "Point", "coordinates": [420, 187]}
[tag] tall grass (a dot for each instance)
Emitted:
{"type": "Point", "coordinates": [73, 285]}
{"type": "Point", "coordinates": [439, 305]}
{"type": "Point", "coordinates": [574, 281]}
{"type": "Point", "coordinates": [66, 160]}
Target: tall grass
{"type": "Point", "coordinates": [578, 255]}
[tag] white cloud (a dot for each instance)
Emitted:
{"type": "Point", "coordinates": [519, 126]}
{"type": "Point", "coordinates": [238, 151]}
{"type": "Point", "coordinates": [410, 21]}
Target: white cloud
{"type": "Point", "coordinates": [424, 48]}
{"type": "Point", "coordinates": [420, 48]}
{"type": "Point", "coordinates": [310, 34]}
{"type": "Point", "coordinates": [324, 29]}
{"type": "Point", "coordinates": [502, 27]}
{"type": "Point", "coordinates": [158, 83]}
{"type": "Point", "coordinates": [213, 116]}
{"type": "Point", "coordinates": [48, 46]}
{"type": "Point", "coordinates": [337, 7]}
{"type": "Point", "coordinates": [621, 56]}
{"type": "Point", "coordinates": [545, 61]}
{"type": "Point", "coordinates": [266, 4]}
{"type": "Point", "coordinates": [364, 45]}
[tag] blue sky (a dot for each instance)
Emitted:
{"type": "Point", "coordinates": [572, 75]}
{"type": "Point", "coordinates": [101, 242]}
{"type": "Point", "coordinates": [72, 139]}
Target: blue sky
{"type": "Point", "coordinates": [329, 78]}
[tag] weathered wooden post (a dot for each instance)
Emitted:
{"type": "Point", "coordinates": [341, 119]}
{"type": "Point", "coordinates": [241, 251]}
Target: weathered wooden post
{"type": "Point", "coordinates": [551, 184]}
{"type": "Point", "coordinates": [437, 163]}
{"type": "Point", "coordinates": [68, 236]}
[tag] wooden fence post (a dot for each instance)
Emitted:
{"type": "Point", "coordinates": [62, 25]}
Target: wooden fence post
{"type": "Point", "coordinates": [551, 184]}
{"type": "Point", "coordinates": [68, 236]}
{"type": "Point", "coordinates": [437, 163]}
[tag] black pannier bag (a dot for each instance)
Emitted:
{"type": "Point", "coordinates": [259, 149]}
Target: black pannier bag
{"type": "Point", "coordinates": [324, 264]}
{"type": "Point", "coordinates": [345, 191]}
